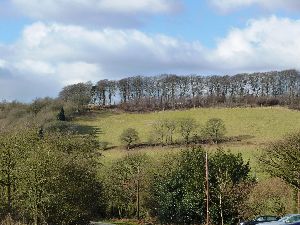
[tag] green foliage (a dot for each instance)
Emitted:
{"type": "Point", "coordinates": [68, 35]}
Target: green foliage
{"type": "Point", "coordinates": [214, 129]}
{"type": "Point", "coordinates": [177, 191]}
{"type": "Point", "coordinates": [121, 185]}
{"type": "Point", "coordinates": [271, 197]}
{"type": "Point", "coordinates": [61, 115]}
{"type": "Point", "coordinates": [78, 94]}
{"type": "Point", "coordinates": [60, 127]}
{"type": "Point", "coordinates": [282, 159]}
{"type": "Point", "coordinates": [129, 137]}
{"type": "Point", "coordinates": [186, 127]}
{"type": "Point", "coordinates": [50, 179]}
{"type": "Point", "coordinates": [230, 186]}
{"type": "Point", "coordinates": [9, 221]}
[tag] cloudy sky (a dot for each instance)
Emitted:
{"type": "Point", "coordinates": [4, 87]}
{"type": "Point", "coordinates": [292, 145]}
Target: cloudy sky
{"type": "Point", "coordinates": [47, 44]}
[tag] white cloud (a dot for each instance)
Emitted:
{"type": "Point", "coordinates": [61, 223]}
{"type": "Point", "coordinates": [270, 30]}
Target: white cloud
{"type": "Point", "coordinates": [265, 44]}
{"type": "Point", "coordinates": [228, 5]}
{"type": "Point", "coordinates": [80, 71]}
{"type": "Point", "coordinates": [53, 55]}
{"type": "Point", "coordinates": [68, 54]}
{"type": "Point", "coordinates": [97, 12]}
{"type": "Point", "coordinates": [2, 63]}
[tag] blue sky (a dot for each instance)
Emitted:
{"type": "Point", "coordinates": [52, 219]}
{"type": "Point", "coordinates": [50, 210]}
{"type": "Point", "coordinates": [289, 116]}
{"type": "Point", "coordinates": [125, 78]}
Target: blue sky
{"type": "Point", "coordinates": [47, 44]}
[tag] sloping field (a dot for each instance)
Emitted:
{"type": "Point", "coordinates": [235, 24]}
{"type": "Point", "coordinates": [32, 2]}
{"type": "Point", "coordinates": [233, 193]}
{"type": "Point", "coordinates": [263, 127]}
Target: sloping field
{"type": "Point", "coordinates": [260, 124]}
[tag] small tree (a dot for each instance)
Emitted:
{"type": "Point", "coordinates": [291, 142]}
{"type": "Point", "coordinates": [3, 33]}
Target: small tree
{"type": "Point", "coordinates": [158, 132]}
{"type": "Point", "coordinates": [215, 129]}
{"type": "Point", "coordinates": [129, 137]}
{"type": "Point", "coordinates": [170, 126]}
{"type": "Point", "coordinates": [126, 183]}
{"type": "Point", "coordinates": [61, 115]}
{"type": "Point", "coordinates": [186, 127]}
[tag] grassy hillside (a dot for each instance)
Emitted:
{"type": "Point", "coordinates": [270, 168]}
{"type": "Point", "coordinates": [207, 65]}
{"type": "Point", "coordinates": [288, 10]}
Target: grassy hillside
{"type": "Point", "coordinates": [262, 124]}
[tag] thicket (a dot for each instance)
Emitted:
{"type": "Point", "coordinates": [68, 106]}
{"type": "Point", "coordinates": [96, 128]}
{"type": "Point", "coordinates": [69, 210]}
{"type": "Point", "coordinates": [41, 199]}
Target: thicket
{"type": "Point", "coordinates": [172, 190]}
{"type": "Point", "coordinates": [282, 159]}
{"type": "Point", "coordinates": [49, 179]}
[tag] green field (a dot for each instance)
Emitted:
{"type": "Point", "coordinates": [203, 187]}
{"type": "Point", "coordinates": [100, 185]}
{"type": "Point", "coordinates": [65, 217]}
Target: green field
{"type": "Point", "coordinates": [260, 125]}
{"type": "Point", "coordinates": [263, 124]}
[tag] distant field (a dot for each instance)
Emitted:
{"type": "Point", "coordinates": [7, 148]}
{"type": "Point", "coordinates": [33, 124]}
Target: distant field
{"type": "Point", "coordinates": [262, 125]}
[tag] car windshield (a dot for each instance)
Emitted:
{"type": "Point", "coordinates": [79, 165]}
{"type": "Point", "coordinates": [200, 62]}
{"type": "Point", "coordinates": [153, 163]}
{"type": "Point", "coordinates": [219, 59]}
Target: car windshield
{"type": "Point", "coordinates": [283, 219]}
{"type": "Point", "coordinates": [259, 219]}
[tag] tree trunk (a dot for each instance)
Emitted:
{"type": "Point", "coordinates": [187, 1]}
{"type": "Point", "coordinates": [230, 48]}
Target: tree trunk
{"type": "Point", "coordinates": [138, 195]}
{"type": "Point", "coordinates": [207, 188]}
{"type": "Point", "coordinates": [221, 209]}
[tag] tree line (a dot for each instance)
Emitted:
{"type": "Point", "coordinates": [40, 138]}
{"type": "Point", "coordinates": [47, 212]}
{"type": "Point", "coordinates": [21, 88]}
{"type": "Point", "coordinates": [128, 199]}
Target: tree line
{"type": "Point", "coordinates": [170, 91]}
{"type": "Point", "coordinates": [180, 131]}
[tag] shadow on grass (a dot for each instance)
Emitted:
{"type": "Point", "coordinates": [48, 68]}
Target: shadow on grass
{"type": "Point", "coordinates": [239, 138]}
{"type": "Point", "coordinates": [195, 142]}
{"type": "Point", "coordinates": [91, 115]}
{"type": "Point", "coordinates": [86, 129]}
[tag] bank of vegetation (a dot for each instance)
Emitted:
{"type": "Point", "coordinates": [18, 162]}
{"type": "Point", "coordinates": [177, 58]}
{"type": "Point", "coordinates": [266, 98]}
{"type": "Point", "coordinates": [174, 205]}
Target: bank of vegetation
{"type": "Point", "coordinates": [53, 169]}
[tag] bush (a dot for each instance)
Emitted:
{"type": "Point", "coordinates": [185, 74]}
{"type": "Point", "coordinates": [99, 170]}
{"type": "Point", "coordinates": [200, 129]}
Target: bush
{"type": "Point", "coordinates": [215, 129]}
{"type": "Point", "coordinates": [129, 137]}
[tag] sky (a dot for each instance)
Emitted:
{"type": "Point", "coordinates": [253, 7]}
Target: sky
{"type": "Point", "coordinates": [48, 44]}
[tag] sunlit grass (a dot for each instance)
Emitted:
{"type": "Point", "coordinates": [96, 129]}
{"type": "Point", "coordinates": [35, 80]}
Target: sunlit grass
{"type": "Point", "coordinates": [260, 125]}
{"type": "Point", "coordinates": [263, 124]}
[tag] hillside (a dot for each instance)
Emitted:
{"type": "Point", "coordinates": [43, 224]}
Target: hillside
{"type": "Point", "coordinates": [258, 125]}
{"type": "Point", "coordinates": [262, 124]}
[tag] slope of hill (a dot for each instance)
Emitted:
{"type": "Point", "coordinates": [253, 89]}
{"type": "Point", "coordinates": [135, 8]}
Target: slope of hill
{"type": "Point", "coordinates": [260, 124]}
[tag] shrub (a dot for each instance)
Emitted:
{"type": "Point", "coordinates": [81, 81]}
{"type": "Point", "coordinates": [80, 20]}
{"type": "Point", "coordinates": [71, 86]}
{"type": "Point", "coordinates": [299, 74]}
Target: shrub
{"type": "Point", "coordinates": [129, 137]}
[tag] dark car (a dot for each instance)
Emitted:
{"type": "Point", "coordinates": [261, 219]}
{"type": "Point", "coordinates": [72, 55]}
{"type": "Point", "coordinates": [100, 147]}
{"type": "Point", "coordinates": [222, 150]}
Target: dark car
{"type": "Point", "coordinates": [260, 219]}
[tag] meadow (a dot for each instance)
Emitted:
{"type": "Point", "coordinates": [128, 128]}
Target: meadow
{"type": "Point", "coordinates": [260, 126]}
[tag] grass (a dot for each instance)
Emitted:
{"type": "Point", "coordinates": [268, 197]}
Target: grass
{"type": "Point", "coordinates": [261, 125]}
